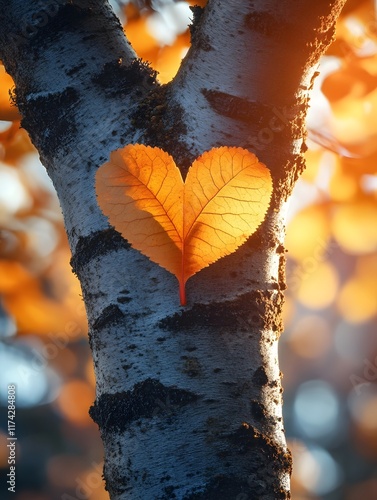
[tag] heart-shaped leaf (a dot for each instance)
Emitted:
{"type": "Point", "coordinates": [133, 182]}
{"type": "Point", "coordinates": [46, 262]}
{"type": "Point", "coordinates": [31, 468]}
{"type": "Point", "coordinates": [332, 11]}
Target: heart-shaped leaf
{"type": "Point", "coordinates": [184, 226]}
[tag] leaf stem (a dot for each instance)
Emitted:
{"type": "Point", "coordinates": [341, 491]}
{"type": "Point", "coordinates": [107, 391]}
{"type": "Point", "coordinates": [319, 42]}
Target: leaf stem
{"type": "Point", "coordinates": [182, 292]}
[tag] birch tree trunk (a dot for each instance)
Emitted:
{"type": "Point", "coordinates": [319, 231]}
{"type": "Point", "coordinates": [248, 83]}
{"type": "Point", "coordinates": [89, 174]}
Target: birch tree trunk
{"type": "Point", "coordinates": [188, 398]}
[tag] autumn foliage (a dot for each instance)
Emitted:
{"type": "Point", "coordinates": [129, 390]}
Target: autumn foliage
{"type": "Point", "coordinates": [184, 226]}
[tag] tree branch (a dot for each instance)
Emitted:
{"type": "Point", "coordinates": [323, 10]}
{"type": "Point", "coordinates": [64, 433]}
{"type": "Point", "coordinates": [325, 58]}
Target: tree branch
{"type": "Point", "coordinates": [251, 64]}
{"type": "Point", "coordinates": [77, 84]}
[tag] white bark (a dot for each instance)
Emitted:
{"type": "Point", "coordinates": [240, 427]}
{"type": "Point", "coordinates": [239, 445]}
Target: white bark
{"type": "Point", "coordinates": [188, 399]}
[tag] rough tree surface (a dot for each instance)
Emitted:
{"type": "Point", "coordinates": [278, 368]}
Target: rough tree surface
{"type": "Point", "coordinates": [188, 399]}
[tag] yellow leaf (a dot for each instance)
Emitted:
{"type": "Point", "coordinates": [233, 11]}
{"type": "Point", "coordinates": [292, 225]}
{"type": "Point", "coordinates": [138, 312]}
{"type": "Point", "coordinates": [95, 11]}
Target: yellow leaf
{"type": "Point", "coordinates": [184, 226]}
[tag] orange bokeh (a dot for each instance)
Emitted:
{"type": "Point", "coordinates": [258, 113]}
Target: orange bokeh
{"type": "Point", "coordinates": [74, 400]}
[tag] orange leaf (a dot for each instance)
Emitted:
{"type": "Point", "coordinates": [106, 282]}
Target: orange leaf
{"type": "Point", "coordinates": [184, 226]}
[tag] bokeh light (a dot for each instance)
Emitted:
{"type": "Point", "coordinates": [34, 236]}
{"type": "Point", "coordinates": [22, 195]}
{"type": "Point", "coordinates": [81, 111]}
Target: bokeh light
{"type": "Point", "coordinates": [83, 396]}
{"type": "Point", "coordinates": [319, 284]}
{"type": "Point", "coordinates": [317, 470]}
{"type": "Point", "coordinates": [316, 409]}
{"type": "Point", "coordinates": [310, 336]}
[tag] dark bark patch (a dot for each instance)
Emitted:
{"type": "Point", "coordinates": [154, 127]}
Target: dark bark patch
{"type": "Point", "coordinates": [237, 108]}
{"type": "Point", "coordinates": [124, 300]}
{"type": "Point", "coordinates": [197, 12]}
{"type": "Point", "coordinates": [50, 119]}
{"type": "Point", "coordinates": [281, 277]}
{"type": "Point", "coordinates": [191, 348]}
{"type": "Point", "coordinates": [163, 124]}
{"type": "Point", "coordinates": [115, 479]}
{"type": "Point", "coordinates": [52, 19]}
{"type": "Point", "coordinates": [304, 147]}
{"type": "Point", "coordinates": [148, 399]}
{"type": "Point", "coordinates": [69, 17]}
{"type": "Point", "coordinates": [246, 438]}
{"type": "Point", "coordinates": [221, 315]}
{"type": "Point", "coordinates": [280, 249]}
{"type": "Point", "coordinates": [258, 411]}
{"type": "Point", "coordinates": [109, 316]}
{"type": "Point", "coordinates": [272, 318]}
{"type": "Point", "coordinates": [267, 459]}
{"type": "Point", "coordinates": [267, 464]}
{"type": "Point", "coordinates": [95, 245]}
{"type": "Point", "coordinates": [291, 171]}
{"type": "Point", "coordinates": [261, 309]}
{"type": "Point", "coordinates": [191, 366]}
{"type": "Point", "coordinates": [199, 39]}
{"type": "Point", "coordinates": [260, 377]}
{"type": "Point", "coordinates": [96, 343]}
{"type": "Point", "coordinates": [117, 79]}
{"type": "Point", "coordinates": [154, 106]}
{"type": "Point", "coordinates": [75, 69]}
{"type": "Point", "coordinates": [222, 488]}
{"type": "Point", "coordinates": [270, 26]}
{"type": "Point", "coordinates": [264, 23]}
{"type": "Point", "coordinates": [168, 493]}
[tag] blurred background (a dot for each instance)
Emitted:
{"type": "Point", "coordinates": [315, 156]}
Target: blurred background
{"type": "Point", "coordinates": [328, 352]}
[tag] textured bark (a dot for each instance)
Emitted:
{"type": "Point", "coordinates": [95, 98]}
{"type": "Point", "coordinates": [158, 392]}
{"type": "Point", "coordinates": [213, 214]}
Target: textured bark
{"type": "Point", "coordinates": [188, 399]}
